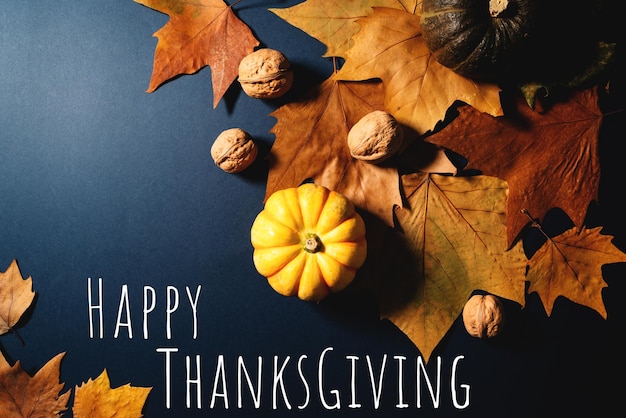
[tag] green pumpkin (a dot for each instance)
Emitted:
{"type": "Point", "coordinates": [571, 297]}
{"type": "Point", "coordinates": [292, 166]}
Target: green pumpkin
{"type": "Point", "coordinates": [478, 39]}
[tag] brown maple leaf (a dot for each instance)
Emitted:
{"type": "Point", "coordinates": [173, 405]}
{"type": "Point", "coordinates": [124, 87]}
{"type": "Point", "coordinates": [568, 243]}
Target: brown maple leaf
{"type": "Point", "coordinates": [455, 232]}
{"type": "Point", "coordinates": [311, 142]}
{"type": "Point", "coordinates": [96, 399]}
{"type": "Point", "coordinates": [334, 22]}
{"type": "Point", "coordinates": [549, 159]}
{"type": "Point", "coordinates": [16, 296]}
{"type": "Point", "coordinates": [38, 396]}
{"type": "Point", "coordinates": [199, 33]}
{"type": "Point", "coordinates": [418, 90]}
{"type": "Point", "coordinates": [570, 265]}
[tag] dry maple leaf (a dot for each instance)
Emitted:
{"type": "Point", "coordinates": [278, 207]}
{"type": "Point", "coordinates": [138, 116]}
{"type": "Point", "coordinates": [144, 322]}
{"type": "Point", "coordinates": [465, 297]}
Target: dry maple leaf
{"type": "Point", "coordinates": [418, 90]}
{"type": "Point", "coordinates": [570, 265]}
{"type": "Point", "coordinates": [311, 142]}
{"type": "Point", "coordinates": [199, 33]}
{"type": "Point", "coordinates": [96, 399]}
{"type": "Point", "coordinates": [455, 230]}
{"type": "Point", "coordinates": [16, 296]}
{"type": "Point", "coordinates": [549, 159]}
{"type": "Point", "coordinates": [334, 22]}
{"type": "Point", "coordinates": [38, 396]}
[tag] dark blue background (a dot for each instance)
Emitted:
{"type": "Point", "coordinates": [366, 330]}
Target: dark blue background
{"type": "Point", "coordinates": [99, 179]}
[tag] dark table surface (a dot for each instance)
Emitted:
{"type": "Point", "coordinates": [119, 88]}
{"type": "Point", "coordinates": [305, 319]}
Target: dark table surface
{"type": "Point", "coordinates": [101, 182]}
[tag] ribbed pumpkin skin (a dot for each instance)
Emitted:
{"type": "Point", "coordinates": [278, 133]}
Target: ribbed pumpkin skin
{"type": "Point", "coordinates": [463, 36]}
{"type": "Point", "coordinates": [308, 241]}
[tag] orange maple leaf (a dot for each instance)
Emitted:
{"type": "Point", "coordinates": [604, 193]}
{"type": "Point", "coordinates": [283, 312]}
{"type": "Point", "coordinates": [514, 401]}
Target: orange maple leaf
{"type": "Point", "coordinates": [16, 296]}
{"type": "Point", "coordinates": [418, 90]}
{"type": "Point", "coordinates": [96, 399]}
{"type": "Point", "coordinates": [549, 159]}
{"type": "Point", "coordinates": [311, 142]}
{"type": "Point", "coordinates": [199, 33]}
{"type": "Point", "coordinates": [38, 396]}
{"type": "Point", "coordinates": [570, 265]}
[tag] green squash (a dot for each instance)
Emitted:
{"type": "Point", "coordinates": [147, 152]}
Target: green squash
{"type": "Point", "coordinates": [479, 39]}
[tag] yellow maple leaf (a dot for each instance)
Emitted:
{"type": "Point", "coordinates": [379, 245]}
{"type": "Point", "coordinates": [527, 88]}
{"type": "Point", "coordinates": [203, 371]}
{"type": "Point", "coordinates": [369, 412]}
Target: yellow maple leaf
{"type": "Point", "coordinates": [38, 396]}
{"type": "Point", "coordinates": [570, 265]}
{"type": "Point", "coordinates": [199, 33]}
{"type": "Point", "coordinates": [333, 22]}
{"type": "Point", "coordinates": [16, 296]}
{"type": "Point", "coordinates": [96, 399]}
{"type": "Point", "coordinates": [455, 230]}
{"type": "Point", "coordinates": [418, 90]}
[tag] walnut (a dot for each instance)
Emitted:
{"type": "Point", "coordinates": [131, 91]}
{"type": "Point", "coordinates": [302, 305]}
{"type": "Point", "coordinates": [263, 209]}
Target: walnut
{"type": "Point", "coordinates": [483, 316]}
{"type": "Point", "coordinates": [265, 74]}
{"type": "Point", "coordinates": [375, 137]}
{"type": "Point", "coordinates": [234, 150]}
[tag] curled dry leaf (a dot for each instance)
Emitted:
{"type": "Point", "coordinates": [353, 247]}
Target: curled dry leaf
{"type": "Point", "coordinates": [16, 296]}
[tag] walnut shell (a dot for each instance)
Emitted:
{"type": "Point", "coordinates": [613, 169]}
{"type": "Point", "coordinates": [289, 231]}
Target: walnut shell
{"type": "Point", "coordinates": [375, 137]}
{"type": "Point", "coordinates": [234, 150]}
{"type": "Point", "coordinates": [483, 316]}
{"type": "Point", "coordinates": [265, 74]}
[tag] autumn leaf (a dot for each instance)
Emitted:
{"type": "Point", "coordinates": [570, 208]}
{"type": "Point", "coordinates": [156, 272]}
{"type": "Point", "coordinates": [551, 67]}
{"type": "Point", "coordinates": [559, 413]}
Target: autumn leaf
{"type": "Point", "coordinates": [418, 90]}
{"type": "Point", "coordinates": [199, 33]}
{"type": "Point", "coordinates": [424, 157]}
{"type": "Point", "coordinates": [38, 396]}
{"type": "Point", "coordinates": [311, 142]}
{"type": "Point", "coordinates": [96, 399]}
{"type": "Point", "coordinates": [570, 265]}
{"type": "Point", "coordinates": [455, 230]}
{"type": "Point", "coordinates": [334, 22]}
{"type": "Point", "coordinates": [549, 159]}
{"type": "Point", "coordinates": [16, 296]}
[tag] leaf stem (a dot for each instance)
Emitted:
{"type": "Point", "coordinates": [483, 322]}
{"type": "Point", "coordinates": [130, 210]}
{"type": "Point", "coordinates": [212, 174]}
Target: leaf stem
{"type": "Point", "coordinates": [497, 7]}
{"type": "Point", "coordinates": [613, 112]}
{"type": "Point", "coordinates": [312, 243]}
{"type": "Point", "coordinates": [534, 223]}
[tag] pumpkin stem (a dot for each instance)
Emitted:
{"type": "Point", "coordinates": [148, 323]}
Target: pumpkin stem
{"type": "Point", "coordinates": [496, 7]}
{"type": "Point", "coordinates": [312, 243]}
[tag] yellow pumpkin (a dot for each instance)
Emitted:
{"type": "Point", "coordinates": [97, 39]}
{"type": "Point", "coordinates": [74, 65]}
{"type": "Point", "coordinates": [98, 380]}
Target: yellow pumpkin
{"type": "Point", "coordinates": [308, 241]}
